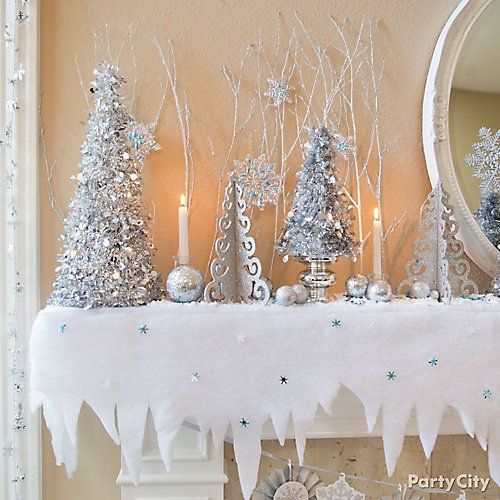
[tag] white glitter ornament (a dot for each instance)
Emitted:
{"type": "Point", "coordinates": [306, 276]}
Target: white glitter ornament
{"type": "Point", "coordinates": [379, 290]}
{"type": "Point", "coordinates": [259, 181]}
{"type": "Point", "coordinates": [285, 296]}
{"type": "Point", "coordinates": [301, 294]}
{"type": "Point", "coordinates": [340, 490]}
{"type": "Point", "coordinates": [420, 290]}
{"type": "Point", "coordinates": [291, 491]}
{"type": "Point", "coordinates": [357, 285]}
{"type": "Point", "coordinates": [185, 284]}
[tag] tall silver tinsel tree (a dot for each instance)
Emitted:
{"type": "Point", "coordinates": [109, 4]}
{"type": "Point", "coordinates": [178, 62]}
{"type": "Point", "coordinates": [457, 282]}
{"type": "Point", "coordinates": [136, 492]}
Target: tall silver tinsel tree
{"type": "Point", "coordinates": [106, 258]}
{"type": "Point", "coordinates": [319, 224]}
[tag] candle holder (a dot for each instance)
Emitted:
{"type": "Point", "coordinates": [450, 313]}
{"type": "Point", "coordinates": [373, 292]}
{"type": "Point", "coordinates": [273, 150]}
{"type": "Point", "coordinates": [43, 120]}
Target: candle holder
{"type": "Point", "coordinates": [318, 277]}
{"type": "Point", "coordinates": [185, 283]}
{"type": "Point", "coordinates": [379, 289]}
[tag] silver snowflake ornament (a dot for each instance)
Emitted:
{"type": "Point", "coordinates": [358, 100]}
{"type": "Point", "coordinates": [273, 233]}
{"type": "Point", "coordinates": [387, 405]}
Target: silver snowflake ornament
{"type": "Point", "coordinates": [486, 160]}
{"type": "Point", "coordinates": [340, 490]}
{"type": "Point", "coordinates": [259, 181]}
{"type": "Point", "coordinates": [141, 139]}
{"type": "Point", "coordinates": [279, 91]}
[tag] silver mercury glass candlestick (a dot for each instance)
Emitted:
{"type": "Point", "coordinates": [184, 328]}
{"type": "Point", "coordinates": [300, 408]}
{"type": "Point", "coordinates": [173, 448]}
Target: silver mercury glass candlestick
{"type": "Point", "coordinates": [318, 277]}
{"type": "Point", "coordinates": [185, 283]}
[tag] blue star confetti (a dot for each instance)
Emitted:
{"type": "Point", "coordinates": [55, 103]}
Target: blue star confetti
{"type": "Point", "coordinates": [336, 323]}
{"type": "Point", "coordinates": [433, 361]}
{"type": "Point", "coordinates": [244, 422]}
{"type": "Point", "coordinates": [143, 329]}
{"type": "Point", "coordinates": [195, 377]}
{"type": "Point", "coordinates": [283, 380]}
{"type": "Point", "coordinates": [391, 375]}
{"type": "Point", "coordinates": [487, 394]}
{"type": "Point", "coordinates": [62, 328]}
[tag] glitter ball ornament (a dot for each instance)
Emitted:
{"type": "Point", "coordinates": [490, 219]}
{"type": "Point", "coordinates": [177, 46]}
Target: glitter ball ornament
{"type": "Point", "coordinates": [285, 296]}
{"type": "Point", "coordinates": [434, 295]}
{"type": "Point", "coordinates": [356, 286]}
{"type": "Point", "coordinates": [301, 294]}
{"type": "Point", "coordinates": [379, 290]}
{"type": "Point", "coordinates": [185, 284]}
{"type": "Point", "coordinates": [106, 258]}
{"type": "Point", "coordinates": [420, 290]}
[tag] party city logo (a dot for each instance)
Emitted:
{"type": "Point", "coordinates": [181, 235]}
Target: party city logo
{"type": "Point", "coordinates": [461, 482]}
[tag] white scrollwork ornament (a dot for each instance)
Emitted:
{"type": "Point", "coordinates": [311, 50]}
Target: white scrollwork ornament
{"type": "Point", "coordinates": [340, 490]}
{"type": "Point", "coordinates": [439, 258]}
{"type": "Point", "coordinates": [236, 273]}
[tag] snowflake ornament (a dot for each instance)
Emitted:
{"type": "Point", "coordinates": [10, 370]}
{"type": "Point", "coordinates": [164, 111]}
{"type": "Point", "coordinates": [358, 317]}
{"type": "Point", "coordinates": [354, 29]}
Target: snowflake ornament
{"type": "Point", "coordinates": [486, 160]}
{"type": "Point", "coordinates": [142, 140]}
{"type": "Point", "coordinates": [258, 180]}
{"type": "Point", "coordinates": [292, 490]}
{"type": "Point", "coordinates": [279, 91]}
{"type": "Point", "coordinates": [341, 145]}
{"type": "Point", "coordinates": [340, 490]}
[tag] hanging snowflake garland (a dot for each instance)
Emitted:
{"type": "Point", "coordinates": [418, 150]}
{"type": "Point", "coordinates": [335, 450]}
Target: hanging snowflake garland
{"type": "Point", "coordinates": [340, 490]}
{"type": "Point", "coordinates": [258, 180]}
{"type": "Point", "coordinates": [141, 139]}
{"type": "Point", "coordinates": [486, 160]}
{"type": "Point", "coordinates": [279, 91]}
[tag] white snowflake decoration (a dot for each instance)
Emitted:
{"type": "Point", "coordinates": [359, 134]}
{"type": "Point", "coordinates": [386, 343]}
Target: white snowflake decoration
{"type": "Point", "coordinates": [142, 139]}
{"type": "Point", "coordinates": [279, 91]}
{"type": "Point", "coordinates": [340, 490]}
{"type": "Point", "coordinates": [342, 145]}
{"type": "Point", "coordinates": [291, 491]}
{"type": "Point", "coordinates": [258, 180]}
{"type": "Point", "coordinates": [486, 160]}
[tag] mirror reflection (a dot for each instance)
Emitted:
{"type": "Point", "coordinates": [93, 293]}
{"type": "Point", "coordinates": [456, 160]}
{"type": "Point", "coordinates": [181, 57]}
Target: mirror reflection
{"type": "Point", "coordinates": [475, 121]}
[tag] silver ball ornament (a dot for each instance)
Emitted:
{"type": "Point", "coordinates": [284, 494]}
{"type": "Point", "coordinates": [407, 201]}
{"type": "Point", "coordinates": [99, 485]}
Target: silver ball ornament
{"type": "Point", "coordinates": [357, 285]}
{"type": "Point", "coordinates": [420, 290]}
{"type": "Point", "coordinates": [301, 294]}
{"type": "Point", "coordinates": [379, 291]}
{"type": "Point", "coordinates": [434, 295]}
{"type": "Point", "coordinates": [185, 284]}
{"type": "Point", "coordinates": [285, 296]}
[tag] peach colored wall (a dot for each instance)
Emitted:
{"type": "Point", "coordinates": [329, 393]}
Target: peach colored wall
{"type": "Point", "coordinates": [207, 33]}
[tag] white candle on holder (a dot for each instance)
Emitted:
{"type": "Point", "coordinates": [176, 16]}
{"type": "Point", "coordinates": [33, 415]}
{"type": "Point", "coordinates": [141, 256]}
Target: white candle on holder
{"type": "Point", "coordinates": [183, 233]}
{"type": "Point", "coordinates": [377, 244]}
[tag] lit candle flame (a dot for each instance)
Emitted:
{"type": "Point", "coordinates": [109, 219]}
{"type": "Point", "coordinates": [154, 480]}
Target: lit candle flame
{"type": "Point", "coordinates": [375, 214]}
{"type": "Point", "coordinates": [183, 200]}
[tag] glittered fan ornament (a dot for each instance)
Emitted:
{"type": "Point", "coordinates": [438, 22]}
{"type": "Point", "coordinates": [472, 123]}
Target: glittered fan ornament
{"type": "Point", "coordinates": [236, 272]}
{"type": "Point", "coordinates": [340, 490]}
{"type": "Point", "coordinates": [439, 258]}
{"type": "Point", "coordinates": [288, 484]}
{"type": "Point", "coordinates": [106, 258]}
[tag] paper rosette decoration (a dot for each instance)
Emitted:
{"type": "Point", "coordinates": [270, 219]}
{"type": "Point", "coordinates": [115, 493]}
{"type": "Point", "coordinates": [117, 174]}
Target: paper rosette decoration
{"type": "Point", "coordinates": [287, 484]}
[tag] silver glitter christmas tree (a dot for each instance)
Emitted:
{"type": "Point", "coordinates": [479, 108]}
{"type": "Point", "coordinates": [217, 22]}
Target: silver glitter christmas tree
{"type": "Point", "coordinates": [319, 224]}
{"type": "Point", "coordinates": [236, 272]}
{"type": "Point", "coordinates": [439, 258]}
{"type": "Point", "coordinates": [106, 258]}
{"type": "Point", "coordinates": [488, 216]}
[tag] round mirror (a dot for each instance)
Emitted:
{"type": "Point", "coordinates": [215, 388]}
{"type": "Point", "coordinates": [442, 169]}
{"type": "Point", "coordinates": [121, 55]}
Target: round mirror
{"type": "Point", "coordinates": [461, 125]}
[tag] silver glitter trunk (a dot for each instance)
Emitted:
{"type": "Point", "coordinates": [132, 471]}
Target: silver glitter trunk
{"type": "Point", "coordinates": [317, 278]}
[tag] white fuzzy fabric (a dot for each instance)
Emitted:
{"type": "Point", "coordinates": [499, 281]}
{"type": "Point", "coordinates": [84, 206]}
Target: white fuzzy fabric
{"type": "Point", "coordinates": [241, 351]}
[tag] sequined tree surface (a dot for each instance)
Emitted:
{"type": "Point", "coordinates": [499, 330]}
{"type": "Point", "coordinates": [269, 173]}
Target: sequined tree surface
{"type": "Point", "coordinates": [488, 216]}
{"type": "Point", "coordinates": [319, 224]}
{"type": "Point", "coordinates": [106, 255]}
{"type": "Point", "coordinates": [439, 258]}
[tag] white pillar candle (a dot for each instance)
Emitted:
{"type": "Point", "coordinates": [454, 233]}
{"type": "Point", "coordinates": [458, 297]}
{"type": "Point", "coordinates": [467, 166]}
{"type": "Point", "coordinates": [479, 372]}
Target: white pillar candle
{"type": "Point", "coordinates": [183, 233]}
{"type": "Point", "coordinates": [377, 244]}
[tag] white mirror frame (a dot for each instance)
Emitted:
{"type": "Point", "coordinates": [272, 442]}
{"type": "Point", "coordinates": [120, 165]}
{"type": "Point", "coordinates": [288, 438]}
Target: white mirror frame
{"type": "Point", "coordinates": [435, 130]}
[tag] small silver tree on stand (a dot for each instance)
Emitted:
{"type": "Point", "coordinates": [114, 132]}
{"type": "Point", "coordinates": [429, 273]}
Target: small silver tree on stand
{"type": "Point", "coordinates": [318, 229]}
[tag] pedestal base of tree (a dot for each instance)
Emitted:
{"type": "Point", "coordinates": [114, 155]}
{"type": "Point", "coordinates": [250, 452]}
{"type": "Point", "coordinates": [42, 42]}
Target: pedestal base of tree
{"type": "Point", "coordinates": [317, 278]}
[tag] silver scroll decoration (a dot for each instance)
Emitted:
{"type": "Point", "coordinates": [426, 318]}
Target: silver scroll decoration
{"type": "Point", "coordinates": [236, 273]}
{"type": "Point", "coordinates": [439, 258]}
{"type": "Point", "coordinates": [289, 482]}
{"type": "Point", "coordinates": [340, 490]}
